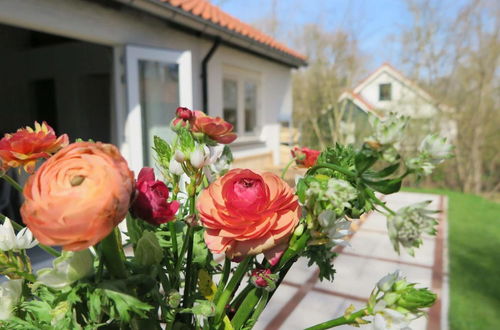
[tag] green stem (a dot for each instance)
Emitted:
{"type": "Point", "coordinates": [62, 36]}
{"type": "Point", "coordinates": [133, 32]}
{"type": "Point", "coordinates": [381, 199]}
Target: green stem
{"type": "Point", "coordinates": [258, 309]}
{"type": "Point", "coordinates": [379, 202]}
{"type": "Point", "coordinates": [114, 257]}
{"type": "Point", "coordinates": [332, 167]}
{"type": "Point", "coordinates": [283, 173]}
{"type": "Point", "coordinates": [178, 266]}
{"type": "Point", "coordinates": [245, 308]}
{"type": "Point", "coordinates": [294, 250]}
{"type": "Point", "coordinates": [12, 182]}
{"type": "Point", "coordinates": [173, 237]}
{"type": "Point", "coordinates": [233, 283]}
{"type": "Point", "coordinates": [351, 319]}
{"type": "Point", "coordinates": [46, 248]}
{"type": "Point", "coordinates": [225, 275]}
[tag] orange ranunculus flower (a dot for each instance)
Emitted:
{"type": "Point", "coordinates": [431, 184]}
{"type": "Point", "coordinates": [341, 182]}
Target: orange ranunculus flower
{"type": "Point", "coordinates": [215, 128]}
{"type": "Point", "coordinates": [78, 196]}
{"type": "Point", "coordinates": [305, 157]}
{"type": "Point", "coordinates": [246, 213]}
{"type": "Point", "coordinates": [27, 145]}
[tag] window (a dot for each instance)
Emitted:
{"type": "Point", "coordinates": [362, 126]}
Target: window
{"type": "Point", "coordinates": [240, 96]}
{"type": "Point", "coordinates": [384, 92]}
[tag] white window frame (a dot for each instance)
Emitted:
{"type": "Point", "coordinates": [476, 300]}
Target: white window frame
{"type": "Point", "coordinates": [133, 133]}
{"type": "Point", "coordinates": [241, 76]}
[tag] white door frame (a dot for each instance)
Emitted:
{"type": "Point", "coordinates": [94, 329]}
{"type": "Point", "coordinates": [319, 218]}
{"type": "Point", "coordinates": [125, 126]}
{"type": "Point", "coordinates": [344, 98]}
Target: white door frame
{"type": "Point", "coordinates": [133, 130]}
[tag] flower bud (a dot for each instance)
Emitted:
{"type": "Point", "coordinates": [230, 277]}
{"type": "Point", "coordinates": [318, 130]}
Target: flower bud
{"type": "Point", "coordinates": [197, 158]}
{"type": "Point", "coordinates": [184, 113]}
{"type": "Point", "coordinates": [204, 308]}
{"type": "Point", "coordinates": [263, 278]}
{"type": "Point", "coordinates": [179, 156]}
{"type": "Point", "coordinates": [173, 299]}
{"type": "Point", "coordinates": [385, 283]}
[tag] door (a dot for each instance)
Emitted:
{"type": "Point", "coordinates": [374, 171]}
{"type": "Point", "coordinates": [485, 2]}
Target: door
{"type": "Point", "coordinates": [158, 81]}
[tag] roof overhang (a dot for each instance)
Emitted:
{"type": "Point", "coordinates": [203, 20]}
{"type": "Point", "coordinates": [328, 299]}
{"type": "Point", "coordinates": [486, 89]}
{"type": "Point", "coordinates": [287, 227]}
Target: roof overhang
{"type": "Point", "coordinates": [195, 24]}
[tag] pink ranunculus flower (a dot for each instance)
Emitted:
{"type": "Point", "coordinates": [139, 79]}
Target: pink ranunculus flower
{"type": "Point", "coordinates": [151, 203]}
{"type": "Point", "coordinates": [247, 213]}
{"type": "Point", "coordinates": [305, 157]}
{"type": "Point", "coordinates": [78, 196]}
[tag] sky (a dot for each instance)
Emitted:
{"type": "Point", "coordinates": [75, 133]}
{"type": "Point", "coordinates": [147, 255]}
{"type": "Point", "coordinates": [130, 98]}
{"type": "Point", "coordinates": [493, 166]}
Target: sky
{"type": "Point", "coordinates": [375, 22]}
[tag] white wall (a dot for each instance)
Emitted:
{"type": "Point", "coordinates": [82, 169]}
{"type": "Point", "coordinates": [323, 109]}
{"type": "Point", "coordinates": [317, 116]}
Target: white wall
{"type": "Point", "coordinates": [404, 99]}
{"type": "Point", "coordinates": [95, 23]}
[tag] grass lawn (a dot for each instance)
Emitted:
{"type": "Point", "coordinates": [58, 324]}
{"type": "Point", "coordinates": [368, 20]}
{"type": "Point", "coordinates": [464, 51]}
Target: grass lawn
{"type": "Point", "coordinates": [474, 247]}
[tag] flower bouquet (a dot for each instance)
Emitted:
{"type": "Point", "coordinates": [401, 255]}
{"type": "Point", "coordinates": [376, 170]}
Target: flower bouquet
{"type": "Point", "coordinates": [204, 247]}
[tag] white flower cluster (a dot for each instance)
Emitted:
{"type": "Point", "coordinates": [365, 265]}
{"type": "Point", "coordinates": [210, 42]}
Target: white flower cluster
{"type": "Point", "coordinates": [337, 192]}
{"type": "Point", "coordinates": [199, 157]}
{"type": "Point", "coordinates": [10, 241]}
{"type": "Point", "coordinates": [389, 130]}
{"type": "Point", "coordinates": [408, 224]}
{"type": "Point", "coordinates": [433, 151]}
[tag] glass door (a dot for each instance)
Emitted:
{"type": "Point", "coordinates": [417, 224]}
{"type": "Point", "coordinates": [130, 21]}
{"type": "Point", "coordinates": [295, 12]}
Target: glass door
{"type": "Point", "coordinates": [158, 81]}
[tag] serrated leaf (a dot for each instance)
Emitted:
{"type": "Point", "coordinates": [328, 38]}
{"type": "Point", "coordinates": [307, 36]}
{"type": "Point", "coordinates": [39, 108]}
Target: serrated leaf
{"type": "Point", "coordinates": [125, 304]}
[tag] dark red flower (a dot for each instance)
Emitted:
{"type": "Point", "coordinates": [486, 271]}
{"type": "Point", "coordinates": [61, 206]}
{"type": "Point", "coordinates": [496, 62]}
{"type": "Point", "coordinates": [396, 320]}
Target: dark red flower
{"type": "Point", "coordinates": [151, 203]}
{"type": "Point", "coordinates": [305, 157]}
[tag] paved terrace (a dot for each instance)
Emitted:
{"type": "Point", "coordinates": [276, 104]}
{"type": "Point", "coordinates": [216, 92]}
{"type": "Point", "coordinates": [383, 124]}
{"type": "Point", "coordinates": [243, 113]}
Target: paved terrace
{"type": "Point", "coordinates": [303, 301]}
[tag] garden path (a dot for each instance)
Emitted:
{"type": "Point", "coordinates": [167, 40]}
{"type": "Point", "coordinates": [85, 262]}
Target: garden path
{"type": "Point", "coordinates": [303, 301]}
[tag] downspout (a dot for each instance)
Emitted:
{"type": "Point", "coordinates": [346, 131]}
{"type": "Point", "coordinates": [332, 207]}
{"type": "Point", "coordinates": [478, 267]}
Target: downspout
{"type": "Point", "coordinates": [204, 77]}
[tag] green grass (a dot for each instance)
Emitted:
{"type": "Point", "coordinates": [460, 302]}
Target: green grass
{"type": "Point", "coordinates": [474, 247]}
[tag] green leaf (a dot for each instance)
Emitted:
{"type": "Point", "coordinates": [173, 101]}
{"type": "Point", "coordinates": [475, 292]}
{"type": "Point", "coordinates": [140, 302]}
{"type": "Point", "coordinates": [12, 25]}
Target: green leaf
{"type": "Point", "coordinates": [125, 304]}
{"type": "Point", "coordinates": [148, 251]}
{"type": "Point", "coordinates": [200, 250]}
{"type": "Point", "coordinates": [134, 229]}
{"type": "Point", "coordinates": [163, 151]}
{"type": "Point", "coordinates": [385, 186]}
{"type": "Point", "coordinates": [301, 190]}
{"type": "Point", "coordinates": [186, 140]}
{"type": "Point", "coordinates": [385, 172]}
{"type": "Point", "coordinates": [364, 160]}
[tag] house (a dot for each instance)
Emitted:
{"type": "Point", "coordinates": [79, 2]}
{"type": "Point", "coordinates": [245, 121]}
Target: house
{"type": "Point", "coordinates": [116, 70]}
{"type": "Point", "coordinates": [388, 90]}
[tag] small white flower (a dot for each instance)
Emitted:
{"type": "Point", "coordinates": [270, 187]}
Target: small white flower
{"type": "Point", "coordinates": [202, 155]}
{"type": "Point", "coordinates": [10, 293]}
{"type": "Point", "coordinates": [389, 319]}
{"type": "Point", "coordinates": [436, 148]}
{"type": "Point", "coordinates": [388, 130]}
{"type": "Point", "coordinates": [175, 167]}
{"type": "Point", "coordinates": [10, 241]}
{"type": "Point", "coordinates": [68, 268]}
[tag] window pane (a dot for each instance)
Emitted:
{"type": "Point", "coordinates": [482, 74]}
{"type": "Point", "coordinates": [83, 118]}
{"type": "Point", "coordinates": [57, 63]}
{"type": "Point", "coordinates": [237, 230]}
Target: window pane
{"type": "Point", "coordinates": [230, 90]}
{"type": "Point", "coordinates": [250, 106]}
{"type": "Point", "coordinates": [384, 92]}
{"type": "Point", "coordinates": [159, 98]}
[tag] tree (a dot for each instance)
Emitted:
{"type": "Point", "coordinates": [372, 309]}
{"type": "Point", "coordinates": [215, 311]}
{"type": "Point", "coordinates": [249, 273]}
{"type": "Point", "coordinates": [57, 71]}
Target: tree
{"type": "Point", "coordinates": [457, 57]}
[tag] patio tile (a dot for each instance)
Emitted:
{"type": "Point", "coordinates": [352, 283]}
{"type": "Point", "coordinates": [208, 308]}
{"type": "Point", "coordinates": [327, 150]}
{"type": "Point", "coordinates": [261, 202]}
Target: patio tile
{"type": "Point", "coordinates": [283, 294]}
